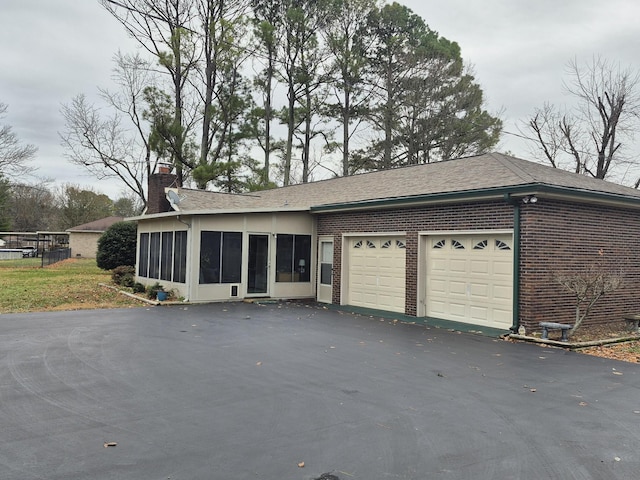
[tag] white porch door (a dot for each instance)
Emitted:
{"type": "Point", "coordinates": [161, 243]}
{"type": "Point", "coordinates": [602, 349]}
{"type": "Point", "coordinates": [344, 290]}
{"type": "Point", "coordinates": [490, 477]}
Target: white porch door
{"type": "Point", "coordinates": [325, 269]}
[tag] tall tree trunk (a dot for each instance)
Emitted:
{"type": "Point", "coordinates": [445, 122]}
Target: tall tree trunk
{"type": "Point", "coordinates": [306, 150]}
{"type": "Point", "coordinates": [346, 118]}
{"type": "Point", "coordinates": [291, 125]}
{"type": "Point", "coordinates": [268, 114]}
{"type": "Point", "coordinates": [388, 119]}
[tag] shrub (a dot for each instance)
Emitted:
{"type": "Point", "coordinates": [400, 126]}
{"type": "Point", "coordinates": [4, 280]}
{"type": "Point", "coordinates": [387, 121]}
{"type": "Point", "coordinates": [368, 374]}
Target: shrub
{"type": "Point", "coordinates": [139, 288]}
{"type": "Point", "coordinates": [119, 274]}
{"type": "Point", "coordinates": [128, 280]}
{"type": "Point", "coordinates": [117, 246]}
{"type": "Point", "coordinates": [152, 290]}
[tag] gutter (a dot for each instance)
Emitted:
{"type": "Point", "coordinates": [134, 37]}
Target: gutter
{"type": "Point", "coordinates": [495, 193]}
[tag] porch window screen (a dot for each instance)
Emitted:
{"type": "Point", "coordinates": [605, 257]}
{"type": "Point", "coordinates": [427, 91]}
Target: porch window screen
{"type": "Point", "coordinates": [143, 261]}
{"type": "Point", "coordinates": [167, 256]}
{"type": "Point", "coordinates": [163, 255]}
{"type": "Point", "coordinates": [220, 257]}
{"type": "Point", "coordinates": [293, 258]}
{"type": "Point", "coordinates": [154, 255]}
{"type": "Point", "coordinates": [180, 257]}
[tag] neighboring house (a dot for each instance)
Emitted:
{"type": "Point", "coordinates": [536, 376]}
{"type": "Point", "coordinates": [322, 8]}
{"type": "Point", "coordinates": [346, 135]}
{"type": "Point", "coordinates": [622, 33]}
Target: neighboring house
{"type": "Point", "coordinates": [474, 240]}
{"type": "Point", "coordinates": [83, 239]}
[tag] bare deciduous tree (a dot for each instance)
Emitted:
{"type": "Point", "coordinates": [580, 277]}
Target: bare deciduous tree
{"type": "Point", "coordinates": [591, 137]}
{"type": "Point", "coordinates": [588, 286]}
{"type": "Point", "coordinates": [14, 156]}
{"type": "Point", "coordinates": [165, 30]}
{"type": "Point", "coordinates": [116, 146]}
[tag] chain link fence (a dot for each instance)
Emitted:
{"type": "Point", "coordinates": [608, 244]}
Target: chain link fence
{"type": "Point", "coordinates": [55, 256]}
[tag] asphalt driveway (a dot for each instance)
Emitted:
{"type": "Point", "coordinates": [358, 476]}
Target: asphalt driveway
{"type": "Point", "coordinates": [241, 391]}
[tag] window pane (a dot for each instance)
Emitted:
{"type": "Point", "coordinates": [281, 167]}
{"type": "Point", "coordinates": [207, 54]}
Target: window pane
{"type": "Point", "coordinates": [302, 257]}
{"type": "Point", "coordinates": [167, 256]}
{"type": "Point", "coordinates": [231, 257]}
{"type": "Point", "coordinates": [143, 262]}
{"type": "Point", "coordinates": [210, 257]}
{"type": "Point", "coordinates": [284, 258]}
{"type": "Point", "coordinates": [327, 252]}
{"type": "Point", "coordinates": [180, 257]}
{"type": "Point", "coordinates": [154, 255]}
{"type": "Point", "coordinates": [325, 273]}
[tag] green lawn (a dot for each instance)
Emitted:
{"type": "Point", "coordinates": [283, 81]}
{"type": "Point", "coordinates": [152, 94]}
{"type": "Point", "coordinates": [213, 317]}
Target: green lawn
{"type": "Point", "coordinates": [69, 285]}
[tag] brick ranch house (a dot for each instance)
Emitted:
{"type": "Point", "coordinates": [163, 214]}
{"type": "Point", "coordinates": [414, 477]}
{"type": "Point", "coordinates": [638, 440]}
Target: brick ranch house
{"type": "Point", "coordinates": [475, 241]}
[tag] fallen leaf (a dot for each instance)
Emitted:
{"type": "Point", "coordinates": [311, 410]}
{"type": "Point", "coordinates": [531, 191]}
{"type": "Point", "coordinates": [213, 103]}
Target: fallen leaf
{"type": "Point", "coordinates": [300, 464]}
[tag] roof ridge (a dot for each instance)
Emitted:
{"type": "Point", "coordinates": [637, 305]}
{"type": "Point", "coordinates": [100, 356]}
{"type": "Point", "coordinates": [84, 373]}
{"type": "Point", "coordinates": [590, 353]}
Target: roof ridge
{"type": "Point", "coordinates": [255, 194]}
{"type": "Point", "coordinates": [508, 162]}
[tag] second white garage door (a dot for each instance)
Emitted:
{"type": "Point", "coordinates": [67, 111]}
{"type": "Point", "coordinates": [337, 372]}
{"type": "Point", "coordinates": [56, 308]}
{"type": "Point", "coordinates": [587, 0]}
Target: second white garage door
{"type": "Point", "coordinates": [376, 267]}
{"type": "Point", "coordinates": [470, 279]}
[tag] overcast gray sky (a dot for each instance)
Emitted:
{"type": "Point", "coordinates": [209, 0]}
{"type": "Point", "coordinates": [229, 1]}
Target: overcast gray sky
{"type": "Point", "coordinates": [52, 50]}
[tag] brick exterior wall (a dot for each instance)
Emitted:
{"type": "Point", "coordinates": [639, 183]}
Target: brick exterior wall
{"type": "Point", "coordinates": [494, 215]}
{"type": "Point", "coordinates": [156, 199]}
{"type": "Point", "coordinates": [84, 244]}
{"type": "Point", "coordinates": [555, 237]}
{"type": "Point", "coordinates": [560, 237]}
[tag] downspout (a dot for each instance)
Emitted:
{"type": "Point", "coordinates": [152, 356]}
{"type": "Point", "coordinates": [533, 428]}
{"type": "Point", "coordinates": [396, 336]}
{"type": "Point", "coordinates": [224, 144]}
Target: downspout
{"type": "Point", "coordinates": [515, 203]}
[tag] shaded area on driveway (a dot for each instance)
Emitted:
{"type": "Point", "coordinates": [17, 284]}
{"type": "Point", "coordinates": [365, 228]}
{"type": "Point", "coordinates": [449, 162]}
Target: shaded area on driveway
{"type": "Point", "coordinates": [241, 391]}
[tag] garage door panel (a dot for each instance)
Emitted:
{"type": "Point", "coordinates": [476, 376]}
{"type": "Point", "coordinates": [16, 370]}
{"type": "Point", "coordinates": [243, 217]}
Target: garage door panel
{"type": "Point", "coordinates": [370, 262]}
{"type": "Point", "coordinates": [439, 265]}
{"type": "Point", "coordinates": [438, 286]}
{"type": "Point", "coordinates": [458, 266]}
{"type": "Point", "coordinates": [377, 273]}
{"type": "Point", "coordinates": [458, 310]}
{"type": "Point", "coordinates": [480, 267]}
{"type": "Point", "coordinates": [473, 284]}
{"type": "Point", "coordinates": [457, 287]}
{"type": "Point", "coordinates": [503, 268]}
{"type": "Point", "coordinates": [502, 317]}
{"type": "Point", "coordinates": [479, 290]}
{"type": "Point", "coordinates": [478, 313]}
{"type": "Point", "coordinates": [503, 291]}
{"type": "Point", "coordinates": [437, 307]}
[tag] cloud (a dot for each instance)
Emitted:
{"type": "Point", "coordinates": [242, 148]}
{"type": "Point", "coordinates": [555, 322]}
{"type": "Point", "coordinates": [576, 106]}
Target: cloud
{"type": "Point", "coordinates": [54, 50]}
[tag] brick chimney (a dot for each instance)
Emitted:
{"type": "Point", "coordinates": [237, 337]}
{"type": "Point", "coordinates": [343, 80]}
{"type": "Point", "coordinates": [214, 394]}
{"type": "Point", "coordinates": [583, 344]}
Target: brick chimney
{"type": "Point", "coordinates": [156, 199]}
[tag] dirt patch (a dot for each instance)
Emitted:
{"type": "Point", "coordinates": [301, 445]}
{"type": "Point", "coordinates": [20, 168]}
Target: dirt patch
{"type": "Point", "coordinates": [628, 351]}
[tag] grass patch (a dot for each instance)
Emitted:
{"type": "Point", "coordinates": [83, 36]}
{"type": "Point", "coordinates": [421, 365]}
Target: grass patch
{"type": "Point", "coordinates": [68, 285]}
{"type": "Point", "coordinates": [21, 263]}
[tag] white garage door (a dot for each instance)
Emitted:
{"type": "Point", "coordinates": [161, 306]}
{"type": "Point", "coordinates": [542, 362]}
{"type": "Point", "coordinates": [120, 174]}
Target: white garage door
{"type": "Point", "coordinates": [470, 279]}
{"type": "Point", "coordinates": [376, 267]}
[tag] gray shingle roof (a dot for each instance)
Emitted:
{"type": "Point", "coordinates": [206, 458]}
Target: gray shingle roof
{"type": "Point", "coordinates": [97, 225]}
{"type": "Point", "coordinates": [482, 172]}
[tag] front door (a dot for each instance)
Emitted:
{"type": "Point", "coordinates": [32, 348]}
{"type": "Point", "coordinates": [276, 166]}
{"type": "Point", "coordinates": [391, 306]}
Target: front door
{"type": "Point", "coordinates": [258, 275]}
{"type": "Point", "coordinates": [325, 270]}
